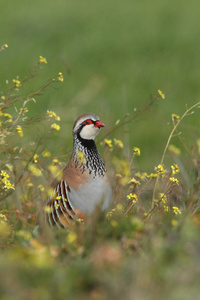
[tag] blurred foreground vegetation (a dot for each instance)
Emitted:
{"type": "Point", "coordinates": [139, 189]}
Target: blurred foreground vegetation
{"type": "Point", "coordinates": [146, 247]}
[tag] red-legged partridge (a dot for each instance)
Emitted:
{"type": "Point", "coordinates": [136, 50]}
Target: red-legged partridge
{"type": "Point", "coordinates": [85, 183]}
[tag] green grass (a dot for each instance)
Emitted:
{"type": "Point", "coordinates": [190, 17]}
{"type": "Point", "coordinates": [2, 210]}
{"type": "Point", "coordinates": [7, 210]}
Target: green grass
{"type": "Point", "coordinates": [118, 54]}
{"type": "Point", "coordinates": [114, 56]}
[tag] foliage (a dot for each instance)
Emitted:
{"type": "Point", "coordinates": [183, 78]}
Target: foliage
{"type": "Point", "coordinates": [145, 247]}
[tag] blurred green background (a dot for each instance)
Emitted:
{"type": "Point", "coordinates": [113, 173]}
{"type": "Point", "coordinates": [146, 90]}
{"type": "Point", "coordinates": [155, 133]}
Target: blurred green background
{"type": "Point", "coordinates": [113, 55]}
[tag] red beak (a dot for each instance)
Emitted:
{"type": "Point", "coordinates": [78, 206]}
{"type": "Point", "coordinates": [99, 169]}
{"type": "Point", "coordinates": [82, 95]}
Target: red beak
{"type": "Point", "coordinates": [98, 124]}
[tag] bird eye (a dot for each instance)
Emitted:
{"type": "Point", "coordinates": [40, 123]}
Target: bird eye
{"type": "Point", "coordinates": [87, 122]}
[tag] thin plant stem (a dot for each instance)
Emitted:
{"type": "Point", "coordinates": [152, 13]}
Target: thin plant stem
{"type": "Point", "coordinates": [167, 145]}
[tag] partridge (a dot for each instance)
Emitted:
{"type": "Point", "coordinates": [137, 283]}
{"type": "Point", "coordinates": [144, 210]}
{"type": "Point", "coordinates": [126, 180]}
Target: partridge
{"type": "Point", "coordinates": [84, 184]}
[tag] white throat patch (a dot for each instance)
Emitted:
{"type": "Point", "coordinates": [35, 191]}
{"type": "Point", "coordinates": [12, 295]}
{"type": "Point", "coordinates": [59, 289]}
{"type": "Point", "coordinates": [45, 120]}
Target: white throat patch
{"type": "Point", "coordinates": [89, 132]}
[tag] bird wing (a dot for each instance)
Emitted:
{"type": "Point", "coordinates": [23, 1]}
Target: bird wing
{"type": "Point", "coordinates": [58, 209]}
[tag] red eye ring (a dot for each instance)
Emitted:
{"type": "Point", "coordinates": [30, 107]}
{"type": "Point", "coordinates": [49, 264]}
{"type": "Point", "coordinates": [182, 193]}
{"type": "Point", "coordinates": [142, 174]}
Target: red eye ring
{"type": "Point", "coordinates": [87, 122]}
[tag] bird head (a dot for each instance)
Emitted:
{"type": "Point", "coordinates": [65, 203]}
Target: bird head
{"type": "Point", "coordinates": [87, 126]}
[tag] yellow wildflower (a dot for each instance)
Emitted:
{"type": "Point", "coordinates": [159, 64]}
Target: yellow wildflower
{"type": "Point", "coordinates": [110, 213]}
{"type": "Point", "coordinates": [46, 153]}
{"type": "Point", "coordinates": [160, 93]}
{"type": "Point", "coordinates": [175, 169]}
{"type": "Point", "coordinates": [42, 60]}
{"type": "Point", "coordinates": [124, 180]}
{"type": "Point", "coordinates": [16, 82]}
{"type": "Point", "coordinates": [152, 175]}
{"type": "Point", "coordinates": [166, 208]}
{"type": "Point", "coordinates": [160, 170]}
{"type": "Point", "coordinates": [55, 171]}
{"type": "Point", "coordinates": [118, 175]}
{"type": "Point", "coordinates": [19, 130]}
{"type": "Point", "coordinates": [35, 157]}
{"type": "Point", "coordinates": [56, 161]}
{"type": "Point", "coordinates": [34, 170]}
{"type": "Point", "coordinates": [79, 220]}
{"type": "Point", "coordinates": [163, 197]}
{"type": "Point", "coordinates": [4, 179]}
{"type": "Point", "coordinates": [132, 197]}
{"type": "Point", "coordinates": [136, 151]}
{"type": "Point", "coordinates": [174, 150]}
{"type": "Point", "coordinates": [71, 237]}
{"type": "Point", "coordinates": [6, 115]}
{"type": "Point", "coordinates": [2, 48]}
{"type": "Point", "coordinates": [52, 114]}
{"type": "Point", "coordinates": [155, 200]}
{"type": "Point", "coordinates": [60, 76]}
{"type": "Point", "coordinates": [3, 218]}
{"type": "Point", "coordinates": [47, 209]}
{"type": "Point", "coordinates": [30, 184]}
{"type": "Point", "coordinates": [108, 143]}
{"type": "Point", "coordinates": [175, 117]}
{"type": "Point", "coordinates": [176, 210]}
{"type": "Point", "coordinates": [56, 205]}
{"type": "Point", "coordinates": [141, 176]}
{"type": "Point", "coordinates": [134, 181]}
{"type": "Point", "coordinates": [55, 126]}
{"type": "Point", "coordinates": [174, 180]}
{"type": "Point", "coordinates": [81, 157]}
{"type": "Point", "coordinates": [3, 98]}
{"type": "Point", "coordinates": [51, 192]}
{"type": "Point", "coordinates": [118, 143]}
{"type": "Point", "coordinates": [40, 187]}
{"type": "Point", "coordinates": [23, 110]}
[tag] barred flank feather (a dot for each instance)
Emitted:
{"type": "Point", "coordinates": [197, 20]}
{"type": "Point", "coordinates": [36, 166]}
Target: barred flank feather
{"type": "Point", "coordinates": [58, 210]}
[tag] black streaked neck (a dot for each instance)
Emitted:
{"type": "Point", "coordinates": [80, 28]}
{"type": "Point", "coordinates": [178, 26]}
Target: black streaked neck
{"type": "Point", "coordinates": [93, 161]}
